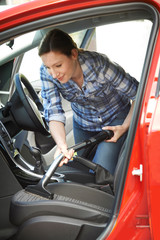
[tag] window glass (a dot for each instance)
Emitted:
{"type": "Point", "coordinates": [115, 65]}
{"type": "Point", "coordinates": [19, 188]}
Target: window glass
{"type": "Point", "coordinates": [78, 37]}
{"type": "Point", "coordinates": [15, 45]}
{"type": "Point", "coordinates": [30, 66]}
{"type": "Point", "coordinates": [125, 43]}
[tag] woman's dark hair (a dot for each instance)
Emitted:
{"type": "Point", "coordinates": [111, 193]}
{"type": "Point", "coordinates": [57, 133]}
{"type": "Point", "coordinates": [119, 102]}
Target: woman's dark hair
{"type": "Point", "coordinates": [57, 40]}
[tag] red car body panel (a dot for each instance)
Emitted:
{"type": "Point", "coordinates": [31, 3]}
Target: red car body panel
{"type": "Point", "coordinates": [139, 214]}
{"type": "Point", "coordinates": [153, 151]}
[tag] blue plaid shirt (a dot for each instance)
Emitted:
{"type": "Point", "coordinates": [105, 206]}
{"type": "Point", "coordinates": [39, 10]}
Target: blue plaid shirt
{"type": "Point", "coordinates": [106, 92]}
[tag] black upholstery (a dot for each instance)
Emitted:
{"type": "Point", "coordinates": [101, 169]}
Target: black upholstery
{"type": "Point", "coordinates": [76, 172]}
{"type": "Point", "coordinates": [70, 200]}
{"type": "Point", "coordinates": [75, 212]}
{"type": "Point", "coordinates": [118, 170]}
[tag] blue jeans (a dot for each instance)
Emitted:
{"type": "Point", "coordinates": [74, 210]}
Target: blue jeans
{"type": "Point", "coordinates": [107, 152]}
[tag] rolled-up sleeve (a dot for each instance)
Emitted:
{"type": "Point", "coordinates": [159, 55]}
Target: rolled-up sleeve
{"type": "Point", "coordinates": [51, 98]}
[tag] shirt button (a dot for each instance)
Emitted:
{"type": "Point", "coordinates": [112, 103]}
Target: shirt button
{"type": "Point", "coordinates": [100, 119]}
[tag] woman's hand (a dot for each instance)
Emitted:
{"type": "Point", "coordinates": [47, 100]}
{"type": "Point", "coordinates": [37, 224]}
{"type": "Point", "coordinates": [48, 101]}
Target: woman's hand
{"type": "Point", "coordinates": [118, 130]}
{"type": "Point", "coordinates": [68, 154]}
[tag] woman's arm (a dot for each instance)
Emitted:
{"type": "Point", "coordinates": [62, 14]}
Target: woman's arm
{"type": "Point", "coordinates": [57, 131]}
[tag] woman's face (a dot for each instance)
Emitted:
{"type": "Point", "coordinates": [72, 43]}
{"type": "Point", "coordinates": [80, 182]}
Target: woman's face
{"type": "Point", "coordinates": [61, 66]}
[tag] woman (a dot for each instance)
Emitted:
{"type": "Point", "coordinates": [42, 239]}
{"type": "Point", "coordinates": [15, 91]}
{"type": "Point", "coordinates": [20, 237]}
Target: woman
{"type": "Point", "coordinates": [99, 90]}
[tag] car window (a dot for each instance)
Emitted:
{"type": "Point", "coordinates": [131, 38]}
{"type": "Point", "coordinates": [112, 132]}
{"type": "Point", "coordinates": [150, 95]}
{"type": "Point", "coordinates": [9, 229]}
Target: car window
{"type": "Point", "coordinates": [124, 43]}
{"type": "Point", "coordinates": [15, 45]}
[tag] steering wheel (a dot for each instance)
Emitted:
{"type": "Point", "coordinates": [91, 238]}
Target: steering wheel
{"type": "Point", "coordinates": [27, 110]}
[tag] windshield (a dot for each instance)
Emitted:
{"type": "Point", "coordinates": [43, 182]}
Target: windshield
{"type": "Point", "coordinates": [15, 46]}
{"type": "Point", "coordinates": [28, 41]}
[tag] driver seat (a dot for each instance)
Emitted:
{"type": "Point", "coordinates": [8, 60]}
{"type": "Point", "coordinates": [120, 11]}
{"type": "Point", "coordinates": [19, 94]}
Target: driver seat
{"type": "Point", "coordinates": [75, 212]}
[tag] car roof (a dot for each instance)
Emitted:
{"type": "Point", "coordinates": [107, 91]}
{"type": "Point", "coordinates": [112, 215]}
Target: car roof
{"type": "Point", "coordinates": [33, 10]}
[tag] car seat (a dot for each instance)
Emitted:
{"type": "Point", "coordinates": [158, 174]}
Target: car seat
{"type": "Point", "coordinates": [76, 211]}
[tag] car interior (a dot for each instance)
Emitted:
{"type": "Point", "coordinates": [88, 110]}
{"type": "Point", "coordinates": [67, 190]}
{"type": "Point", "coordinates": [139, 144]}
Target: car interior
{"type": "Point", "coordinates": [38, 199]}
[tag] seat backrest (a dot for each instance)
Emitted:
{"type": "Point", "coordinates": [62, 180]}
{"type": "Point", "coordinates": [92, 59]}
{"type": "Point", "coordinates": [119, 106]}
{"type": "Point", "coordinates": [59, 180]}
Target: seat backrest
{"type": "Point", "coordinates": [118, 170]}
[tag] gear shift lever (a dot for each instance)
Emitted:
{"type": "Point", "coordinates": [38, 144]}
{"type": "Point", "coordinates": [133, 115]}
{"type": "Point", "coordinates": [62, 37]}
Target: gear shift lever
{"type": "Point", "coordinates": [36, 153]}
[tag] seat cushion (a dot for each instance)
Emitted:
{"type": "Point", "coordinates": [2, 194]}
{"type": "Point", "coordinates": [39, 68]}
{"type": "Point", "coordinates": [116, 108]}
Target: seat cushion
{"type": "Point", "coordinates": [76, 172]}
{"type": "Point", "coordinates": [70, 200]}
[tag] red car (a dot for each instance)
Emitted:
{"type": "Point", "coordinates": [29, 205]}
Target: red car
{"type": "Point", "coordinates": [35, 201]}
